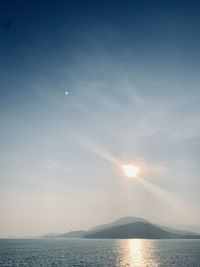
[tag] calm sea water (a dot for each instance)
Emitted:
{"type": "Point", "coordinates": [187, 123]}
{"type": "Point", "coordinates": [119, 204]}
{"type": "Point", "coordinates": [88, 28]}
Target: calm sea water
{"type": "Point", "coordinates": [109, 253]}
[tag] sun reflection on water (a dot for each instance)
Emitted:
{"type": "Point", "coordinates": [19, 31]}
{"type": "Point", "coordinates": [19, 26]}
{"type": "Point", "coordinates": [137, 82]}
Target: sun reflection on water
{"type": "Point", "coordinates": [137, 253]}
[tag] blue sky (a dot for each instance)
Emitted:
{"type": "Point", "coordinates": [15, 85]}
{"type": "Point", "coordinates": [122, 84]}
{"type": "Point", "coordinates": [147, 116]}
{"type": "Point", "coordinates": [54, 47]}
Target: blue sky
{"type": "Point", "coordinates": [132, 72]}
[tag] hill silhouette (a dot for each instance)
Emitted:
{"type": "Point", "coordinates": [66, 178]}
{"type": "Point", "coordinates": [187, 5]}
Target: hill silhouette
{"type": "Point", "coordinates": [136, 230]}
{"type": "Point", "coordinates": [128, 227]}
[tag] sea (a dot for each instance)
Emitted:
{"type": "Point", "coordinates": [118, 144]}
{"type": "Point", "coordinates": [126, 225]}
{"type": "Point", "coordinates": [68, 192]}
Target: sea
{"type": "Point", "coordinates": [99, 252]}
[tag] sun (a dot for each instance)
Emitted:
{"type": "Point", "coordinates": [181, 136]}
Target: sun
{"type": "Point", "coordinates": [130, 170]}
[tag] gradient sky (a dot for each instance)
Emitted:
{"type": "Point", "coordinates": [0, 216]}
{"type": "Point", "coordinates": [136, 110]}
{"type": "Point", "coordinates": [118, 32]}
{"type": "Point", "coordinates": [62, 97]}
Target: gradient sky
{"type": "Point", "coordinates": [132, 70]}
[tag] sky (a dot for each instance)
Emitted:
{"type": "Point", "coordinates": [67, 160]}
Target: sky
{"type": "Point", "coordinates": [131, 70]}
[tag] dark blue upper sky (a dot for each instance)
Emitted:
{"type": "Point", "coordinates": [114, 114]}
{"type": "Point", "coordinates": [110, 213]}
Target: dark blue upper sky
{"type": "Point", "coordinates": [43, 33]}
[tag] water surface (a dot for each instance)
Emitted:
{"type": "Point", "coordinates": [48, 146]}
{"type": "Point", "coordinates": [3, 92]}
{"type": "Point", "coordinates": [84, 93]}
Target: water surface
{"type": "Point", "coordinates": [91, 252]}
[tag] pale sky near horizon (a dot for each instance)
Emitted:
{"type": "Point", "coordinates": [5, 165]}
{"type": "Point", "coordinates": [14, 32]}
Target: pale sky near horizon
{"type": "Point", "coordinates": [131, 70]}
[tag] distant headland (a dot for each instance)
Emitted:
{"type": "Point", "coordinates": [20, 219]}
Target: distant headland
{"type": "Point", "coordinates": [128, 228]}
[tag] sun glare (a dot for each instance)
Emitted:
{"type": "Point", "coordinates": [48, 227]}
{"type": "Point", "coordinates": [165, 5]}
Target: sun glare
{"type": "Point", "coordinates": [130, 170]}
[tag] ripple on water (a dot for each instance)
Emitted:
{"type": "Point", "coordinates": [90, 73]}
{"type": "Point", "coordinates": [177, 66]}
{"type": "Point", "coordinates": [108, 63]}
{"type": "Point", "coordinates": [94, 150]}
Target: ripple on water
{"type": "Point", "coordinates": [112, 253]}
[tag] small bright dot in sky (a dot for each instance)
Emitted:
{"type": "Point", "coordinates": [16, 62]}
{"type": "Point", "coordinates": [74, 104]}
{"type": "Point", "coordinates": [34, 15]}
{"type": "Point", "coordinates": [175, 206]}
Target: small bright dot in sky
{"type": "Point", "coordinates": [130, 170]}
{"type": "Point", "coordinates": [66, 93]}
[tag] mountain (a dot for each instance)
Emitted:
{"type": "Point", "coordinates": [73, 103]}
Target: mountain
{"type": "Point", "coordinates": [136, 230]}
{"type": "Point", "coordinates": [127, 220]}
{"type": "Point", "coordinates": [186, 227]}
{"type": "Point", "coordinates": [50, 235]}
{"type": "Point", "coordinates": [178, 231]}
{"type": "Point", "coordinates": [121, 221]}
{"type": "Point", "coordinates": [72, 234]}
{"type": "Point", "coordinates": [128, 227]}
